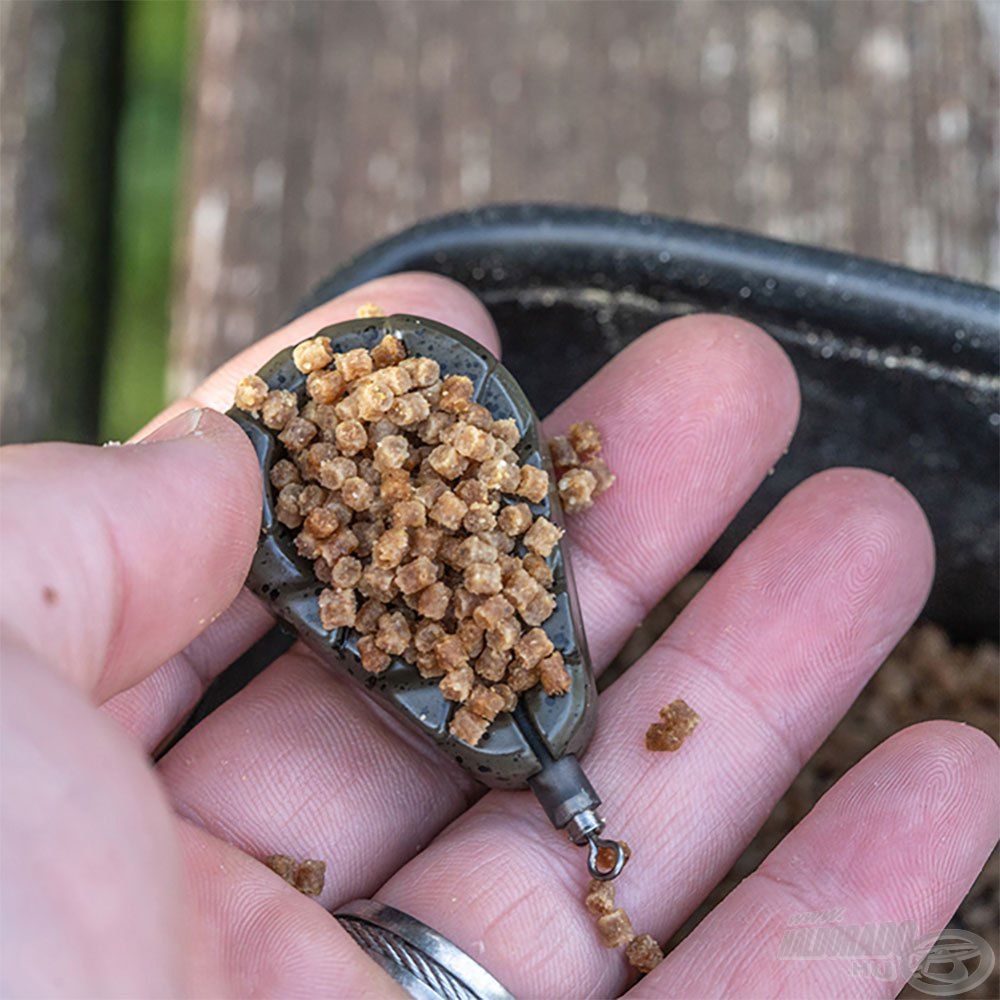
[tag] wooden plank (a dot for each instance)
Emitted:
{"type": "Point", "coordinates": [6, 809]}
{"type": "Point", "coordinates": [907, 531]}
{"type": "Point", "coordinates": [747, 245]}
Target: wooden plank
{"type": "Point", "coordinates": [320, 127]}
{"type": "Point", "coordinates": [59, 69]}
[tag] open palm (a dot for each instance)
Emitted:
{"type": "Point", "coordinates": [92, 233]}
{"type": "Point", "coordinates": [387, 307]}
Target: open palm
{"type": "Point", "coordinates": [121, 600]}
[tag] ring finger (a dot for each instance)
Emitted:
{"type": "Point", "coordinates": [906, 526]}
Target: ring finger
{"type": "Point", "coordinates": [770, 653]}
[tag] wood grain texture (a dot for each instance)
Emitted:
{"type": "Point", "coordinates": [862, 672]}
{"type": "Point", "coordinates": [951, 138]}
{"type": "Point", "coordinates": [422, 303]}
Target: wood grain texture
{"type": "Point", "coordinates": [58, 75]}
{"type": "Point", "coordinates": [320, 127]}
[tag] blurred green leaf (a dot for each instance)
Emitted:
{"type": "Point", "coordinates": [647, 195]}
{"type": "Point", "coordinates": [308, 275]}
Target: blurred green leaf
{"type": "Point", "coordinates": [156, 37]}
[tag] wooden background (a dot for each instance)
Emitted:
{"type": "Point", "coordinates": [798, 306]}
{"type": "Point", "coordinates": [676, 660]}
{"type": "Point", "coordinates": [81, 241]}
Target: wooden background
{"type": "Point", "coordinates": [319, 127]}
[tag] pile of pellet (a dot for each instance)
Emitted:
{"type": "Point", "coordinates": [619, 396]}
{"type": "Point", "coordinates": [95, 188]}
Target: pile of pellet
{"type": "Point", "coordinates": [410, 501]}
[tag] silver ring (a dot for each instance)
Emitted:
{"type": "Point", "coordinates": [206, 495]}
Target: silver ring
{"type": "Point", "coordinates": [426, 964]}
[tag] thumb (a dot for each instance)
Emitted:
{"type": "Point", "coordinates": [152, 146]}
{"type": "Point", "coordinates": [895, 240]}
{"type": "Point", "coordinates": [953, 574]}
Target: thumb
{"type": "Point", "coordinates": [116, 558]}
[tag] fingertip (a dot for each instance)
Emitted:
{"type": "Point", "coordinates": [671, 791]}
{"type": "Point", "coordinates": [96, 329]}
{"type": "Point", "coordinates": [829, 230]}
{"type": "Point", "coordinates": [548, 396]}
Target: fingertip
{"type": "Point", "coordinates": [742, 352]}
{"type": "Point", "coordinates": [881, 508]}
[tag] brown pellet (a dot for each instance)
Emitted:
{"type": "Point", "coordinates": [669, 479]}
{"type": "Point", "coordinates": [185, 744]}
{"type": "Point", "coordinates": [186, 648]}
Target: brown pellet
{"type": "Point", "coordinates": [615, 928]}
{"type": "Point", "coordinates": [542, 537]}
{"type": "Point", "coordinates": [310, 877]}
{"type": "Point", "coordinates": [677, 722]}
{"type": "Point", "coordinates": [311, 355]}
{"type": "Point", "coordinates": [337, 607]}
{"type": "Point", "coordinates": [643, 953]}
{"type": "Point", "coordinates": [533, 484]}
{"type": "Point", "coordinates": [600, 898]}
{"type": "Point", "coordinates": [585, 439]}
{"type": "Point", "coordinates": [251, 393]}
{"type": "Point", "coordinates": [278, 408]}
{"type": "Point", "coordinates": [555, 678]}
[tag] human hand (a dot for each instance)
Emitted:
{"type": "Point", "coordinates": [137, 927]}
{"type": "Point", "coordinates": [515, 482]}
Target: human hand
{"type": "Point", "coordinates": [122, 599]}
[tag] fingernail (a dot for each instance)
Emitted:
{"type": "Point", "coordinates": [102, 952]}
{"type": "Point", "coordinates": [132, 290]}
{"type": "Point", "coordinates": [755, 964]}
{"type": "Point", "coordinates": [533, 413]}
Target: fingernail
{"type": "Point", "coordinates": [183, 425]}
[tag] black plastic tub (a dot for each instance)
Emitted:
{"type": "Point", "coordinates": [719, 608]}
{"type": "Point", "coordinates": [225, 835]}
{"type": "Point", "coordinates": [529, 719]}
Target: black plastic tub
{"type": "Point", "coordinates": [899, 370]}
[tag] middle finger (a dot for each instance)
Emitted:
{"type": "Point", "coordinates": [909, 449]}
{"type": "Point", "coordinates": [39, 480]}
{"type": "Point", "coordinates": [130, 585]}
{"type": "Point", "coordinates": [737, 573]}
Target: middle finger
{"type": "Point", "coordinates": [693, 415]}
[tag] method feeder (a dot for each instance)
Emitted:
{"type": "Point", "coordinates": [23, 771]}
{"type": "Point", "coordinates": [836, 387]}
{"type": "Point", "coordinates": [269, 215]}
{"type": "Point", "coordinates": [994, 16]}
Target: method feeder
{"type": "Point", "coordinates": [538, 744]}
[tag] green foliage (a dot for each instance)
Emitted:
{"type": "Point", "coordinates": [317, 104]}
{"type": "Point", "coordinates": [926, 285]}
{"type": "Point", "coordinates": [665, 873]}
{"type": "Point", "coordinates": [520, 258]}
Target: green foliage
{"type": "Point", "coordinates": [156, 36]}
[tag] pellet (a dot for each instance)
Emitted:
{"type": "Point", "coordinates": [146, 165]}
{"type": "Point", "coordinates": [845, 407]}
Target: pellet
{"type": "Point", "coordinates": [677, 722]}
{"type": "Point", "coordinates": [354, 364]}
{"type": "Point", "coordinates": [334, 472]}
{"type": "Point", "coordinates": [539, 609]}
{"type": "Point", "coordinates": [600, 898]}
{"type": "Point", "coordinates": [409, 409]}
{"type": "Point", "coordinates": [378, 582]}
{"type": "Point", "coordinates": [473, 443]}
{"type": "Point", "coordinates": [373, 659]}
{"type": "Point", "coordinates": [311, 496]}
{"type": "Point", "coordinates": [310, 876]}
{"type": "Point", "coordinates": [491, 664]}
{"type": "Point", "coordinates": [472, 637]}
{"type": "Point", "coordinates": [577, 488]}
{"type": "Point", "coordinates": [456, 685]}
{"type": "Point", "coordinates": [283, 473]}
{"type": "Point", "coordinates": [533, 484]}
{"type": "Point", "coordinates": [447, 462]}
{"type": "Point", "coordinates": [483, 578]}
{"type": "Point", "coordinates": [643, 953]}
{"type": "Point", "coordinates": [456, 394]}
{"type": "Point", "coordinates": [391, 547]}
{"type": "Point", "coordinates": [426, 541]}
{"type": "Point", "coordinates": [408, 514]}
{"type": "Point", "coordinates": [506, 431]}
{"type": "Point", "coordinates": [604, 476]}
{"type": "Point", "coordinates": [433, 601]}
{"type": "Point", "coordinates": [539, 569]}
{"type": "Point", "coordinates": [563, 453]}
{"type": "Point", "coordinates": [553, 674]}
{"type": "Point", "coordinates": [416, 575]}
{"type": "Point", "coordinates": [311, 355]}
{"type": "Point", "coordinates": [337, 608]}
{"type": "Point", "coordinates": [346, 572]}
{"type": "Point", "coordinates": [485, 702]}
{"type": "Point", "coordinates": [615, 929]}
{"type": "Point", "coordinates": [322, 522]}
{"type": "Point", "coordinates": [509, 696]}
{"type": "Point", "coordinates": [424, 371]}
{"type": "Point", "coordinates": [474, 550]}
{"type": "Point", "coordinates": [393, 633]}
{"type": "Point", "coordinates": [492, 611]}
{"type": "Point", "coordinates": [522, 678]}
{"type": "Point", "coordinates": [298, 433]}
{"type": "Point", "coordinates": [325, 386]}
{"type": "Point", "coordinates": [585, 439]}
{"type": "Point", "coordinates": [426, 634]}
{"type": "Point", "coordinates": [514, 519]}
{"type": "Point", "coordinates": [504, 634]}
{"type": "Point", "coordinates": [278, 408]}
{"type": "Point", "coordinates": [388, 351]}
{"type": "Point", "coordinates": [350, 436]}
{"type": "Point", "coordinates": [467, 726]}
{"type": "Point", "coordinates": [479, 520]}
{"type": "Point", "coordinates": [448, 510]}
{"type": "Point", "coordinates": [450, 652]}
{"type": "Point", "coordinates": [542, 537]}
{"type": "Point", "coordinates": [251, 393]}
{"type": "Point", "coordinates": [368, 615]}
{"type": "Point", "coordinates": [532, 648]}
{"type": "Point", "coordinates": [357, 493]}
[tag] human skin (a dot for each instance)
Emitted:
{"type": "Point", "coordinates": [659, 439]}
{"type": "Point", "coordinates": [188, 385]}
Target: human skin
{"type": "Point", "coordinates": [121, 598]}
